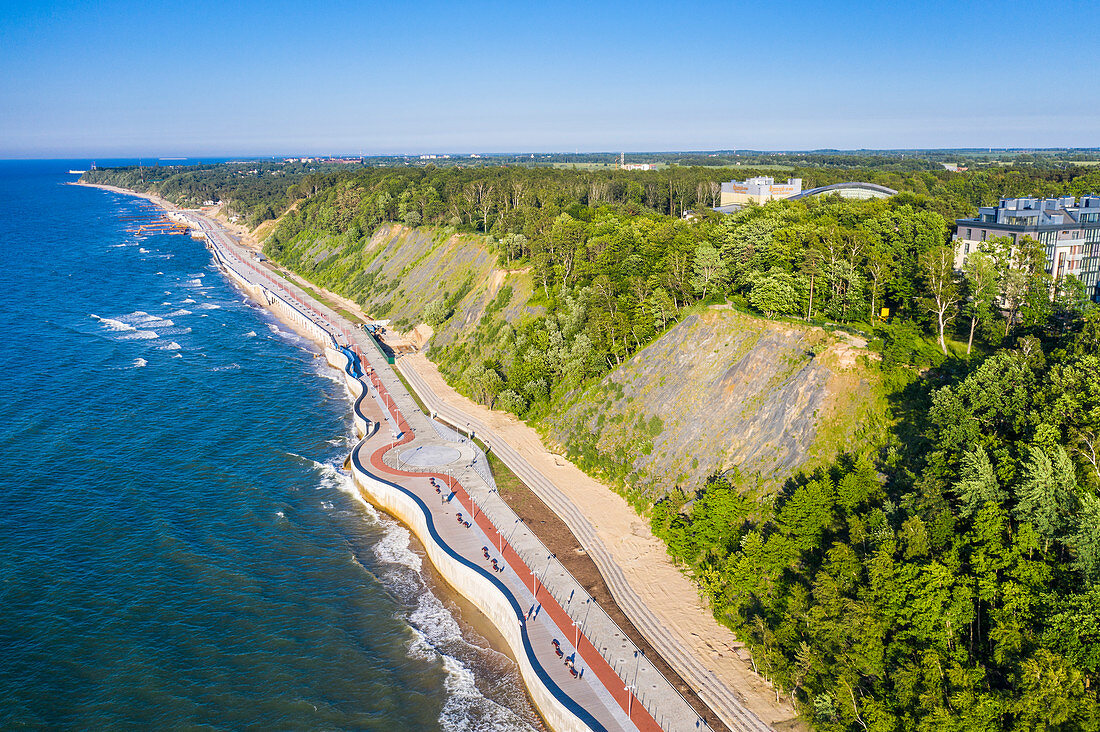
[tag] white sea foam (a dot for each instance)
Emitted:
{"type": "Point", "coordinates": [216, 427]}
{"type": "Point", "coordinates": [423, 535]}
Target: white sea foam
{"type": "Point", "coordinates": [143, 250]}
{"type": "Point", "coordinates": [436, 632]}
{"type": "Point", "coordinates": [250, 334]}
{"type": "Point", "coordinates": [188, 301]}
{"type": "Point", "coordinates": [141, 335]}
{"type": "Point", "coordinates": [112, 324]}
{"type": "Point", "coordinates": [228, 367]}
{"type": "Point", "coordinates": [139, 363]}
{"type": "Point", "coordinates": [171, 346]}
{"type": "Point", "coordinates": [209, 306]}
{"type": "Point", "coordinates": [177, 313]}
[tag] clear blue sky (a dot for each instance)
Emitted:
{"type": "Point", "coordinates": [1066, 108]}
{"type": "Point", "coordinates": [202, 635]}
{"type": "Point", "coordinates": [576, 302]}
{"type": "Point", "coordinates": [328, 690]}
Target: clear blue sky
{"type": "Point", "coordinates": [248, 78]}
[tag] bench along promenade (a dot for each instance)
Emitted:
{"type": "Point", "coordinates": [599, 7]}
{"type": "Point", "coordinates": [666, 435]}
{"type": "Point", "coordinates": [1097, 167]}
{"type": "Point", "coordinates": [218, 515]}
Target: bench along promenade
{"type": "Point", "coordinates": [581, 670]}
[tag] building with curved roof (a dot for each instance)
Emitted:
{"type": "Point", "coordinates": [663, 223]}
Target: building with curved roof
{"type": "Point", "coordinates": [852, 189]}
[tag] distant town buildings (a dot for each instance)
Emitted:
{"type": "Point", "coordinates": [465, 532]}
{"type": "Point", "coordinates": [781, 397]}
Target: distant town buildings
{"type": "Point", "coordinates": [344, 161]}
{"type": "Point", "coordinates": [638, 166]}
{"type": "Point", "coordinates": [1067, 229]}
{"type": "Point", "coordinates": [758, 190]}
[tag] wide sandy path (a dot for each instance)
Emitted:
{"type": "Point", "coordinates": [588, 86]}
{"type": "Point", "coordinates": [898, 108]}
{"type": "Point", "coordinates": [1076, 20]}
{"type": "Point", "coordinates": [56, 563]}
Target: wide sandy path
{"type": "Point", "coordinates": [641, 567]}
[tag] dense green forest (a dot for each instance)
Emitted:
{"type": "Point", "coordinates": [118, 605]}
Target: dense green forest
{"type": "Point", "coordinates": [942, 578]}
{"type": "Point", "coordinates": [947, 580]}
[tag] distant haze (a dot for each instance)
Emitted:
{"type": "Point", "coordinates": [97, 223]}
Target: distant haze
{"type": "Point", "coordinates": [250, 78]}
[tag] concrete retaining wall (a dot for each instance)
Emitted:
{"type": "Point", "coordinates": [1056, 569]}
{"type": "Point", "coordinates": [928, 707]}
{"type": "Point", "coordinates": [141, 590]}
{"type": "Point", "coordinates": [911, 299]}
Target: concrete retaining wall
{"type": "Point", "coordinates": [473, 582]}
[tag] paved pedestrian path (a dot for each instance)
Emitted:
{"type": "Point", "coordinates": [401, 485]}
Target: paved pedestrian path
{"type": "Point", "coordinates": [606, 674]}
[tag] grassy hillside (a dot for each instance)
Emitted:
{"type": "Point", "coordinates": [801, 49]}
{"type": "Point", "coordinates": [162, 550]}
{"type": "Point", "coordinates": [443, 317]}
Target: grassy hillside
{"type": "Point", "coordinates": [399, 271]}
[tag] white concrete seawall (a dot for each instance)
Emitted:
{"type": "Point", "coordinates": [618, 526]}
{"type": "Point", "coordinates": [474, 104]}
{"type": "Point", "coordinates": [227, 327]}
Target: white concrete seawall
{"type": "Point", "coordinates": [471, 582]}
{"type": "Point", "coordinates": [479, 587]}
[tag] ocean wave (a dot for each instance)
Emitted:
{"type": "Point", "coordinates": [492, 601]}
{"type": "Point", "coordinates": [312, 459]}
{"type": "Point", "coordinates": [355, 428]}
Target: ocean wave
{"type": "Point", "coordinates": [112, 324]}
{"type": "Point", "coordinates": [139, 363]}
{"type": "Point", "coordinates": [209, 306]}
{"type": "Point", "coordinates": [467, 708]}
{"type": "Point", "coordinates": [250, 334]}
{"type": "Point", "coordinates": [188, 301]}
{"type": "Point", "coordinates": [227, 367]}
{"type": "Point", "coordinates": [171, 346]}
{"type": "Point", "coordinates": [436, 633]}
{"type": "Point", "coordinates": [143, 250]}
{"type": "Point", "coordinates": [177, 313]}
{"type": "Point", "coordinates": [140, 335]}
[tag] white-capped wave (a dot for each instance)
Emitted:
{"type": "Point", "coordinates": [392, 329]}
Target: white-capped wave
{"type": "Point", "coordinates": [112, 324]}
{"type": "Point", "coordinates": [209, 306]}
{"type": "Point", "coordinates": [188, 301]}
{"type": "Point", "coordinates": [139, 363]}
{"type": "Point", "coordinates": [436, 634]}
{"type": "Point", "coordinates": [143, 250]}
{"type": "Point", "coordinates": [227, 367]}
{"type": "Point", "coordinates": [250, 334]}
{"type": "Point", "coordinates": [141, 335]}
{"type": "Point", "coordinates": [178, 313]}
{"type": "Point", "coordinates": [170, 346]}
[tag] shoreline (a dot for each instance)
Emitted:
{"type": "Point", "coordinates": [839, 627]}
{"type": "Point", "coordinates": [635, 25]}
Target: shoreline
{"type": "Point", "coordinates": [723, 653]}
{"type": "Point", "coordinates": [470, 619]}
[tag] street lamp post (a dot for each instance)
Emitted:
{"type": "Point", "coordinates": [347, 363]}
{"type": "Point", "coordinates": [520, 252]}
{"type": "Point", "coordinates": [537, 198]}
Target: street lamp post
{"type": "Point", "coordinates": [544, 571]}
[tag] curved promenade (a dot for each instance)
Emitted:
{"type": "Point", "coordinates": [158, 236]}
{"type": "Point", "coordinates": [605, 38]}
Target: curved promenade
{"type": "Point", "coordinates": [581, 671]}
{"type": "Point", "coordinates": [707, 685]}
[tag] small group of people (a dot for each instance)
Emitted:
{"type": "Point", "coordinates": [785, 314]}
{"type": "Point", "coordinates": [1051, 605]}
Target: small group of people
{"type": "Point", "coordinates": [463, 521]}
{"type": "Point", "coordinates": [569, 663]}
{"type": "Point", "coordinates": [497, 566]}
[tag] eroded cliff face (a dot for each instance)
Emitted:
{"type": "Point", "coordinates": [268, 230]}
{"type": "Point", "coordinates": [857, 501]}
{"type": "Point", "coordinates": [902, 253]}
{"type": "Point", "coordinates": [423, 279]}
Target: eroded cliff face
{"type": "Point", "coordinates": [399, 271]}
{"type": "Point", "coordinates": [719, 391]}
{"type": "Point", "coordinates": [723, 391]}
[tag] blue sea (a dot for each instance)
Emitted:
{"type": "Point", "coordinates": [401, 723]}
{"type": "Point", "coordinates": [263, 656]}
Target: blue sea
{"type": "Point", "coordinates": [178, 545]}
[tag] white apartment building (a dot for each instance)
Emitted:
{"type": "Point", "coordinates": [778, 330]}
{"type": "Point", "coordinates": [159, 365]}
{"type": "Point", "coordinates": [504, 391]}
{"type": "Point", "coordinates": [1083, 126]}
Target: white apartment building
{"type": "Point", "coordinates": [1068, 230]}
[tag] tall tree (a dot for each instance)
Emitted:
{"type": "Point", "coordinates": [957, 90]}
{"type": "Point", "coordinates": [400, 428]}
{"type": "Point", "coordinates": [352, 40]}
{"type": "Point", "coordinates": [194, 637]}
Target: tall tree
{"type": "Point", "coordinates": [980, 272]}
{"type": "Point", "coordinates": [710, 270]}
{"type": "Point", "coordinates": [938, 266]}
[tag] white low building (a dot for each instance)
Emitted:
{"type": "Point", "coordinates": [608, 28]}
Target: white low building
{"type": "Point", "coordinates": [758, 190]}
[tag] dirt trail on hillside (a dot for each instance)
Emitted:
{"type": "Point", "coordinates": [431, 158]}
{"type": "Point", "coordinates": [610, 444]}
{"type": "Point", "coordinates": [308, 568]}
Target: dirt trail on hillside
{"type": "Point", "coordinates": [642, 556]}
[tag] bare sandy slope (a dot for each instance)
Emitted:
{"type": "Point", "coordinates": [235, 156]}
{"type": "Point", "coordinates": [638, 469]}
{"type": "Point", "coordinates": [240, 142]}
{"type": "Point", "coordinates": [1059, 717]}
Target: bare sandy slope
{"type": "Point", "coordinates": [642, 556]}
